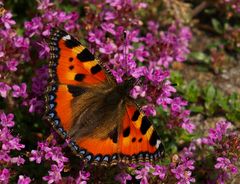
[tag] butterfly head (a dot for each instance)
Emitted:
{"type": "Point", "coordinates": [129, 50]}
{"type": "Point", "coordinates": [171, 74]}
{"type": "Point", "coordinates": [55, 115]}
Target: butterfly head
{"type": "Point", "coordinates": [125, 87]}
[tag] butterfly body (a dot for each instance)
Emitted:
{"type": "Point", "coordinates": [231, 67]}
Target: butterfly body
{"type": "Point", "coordinates": [84, 103]}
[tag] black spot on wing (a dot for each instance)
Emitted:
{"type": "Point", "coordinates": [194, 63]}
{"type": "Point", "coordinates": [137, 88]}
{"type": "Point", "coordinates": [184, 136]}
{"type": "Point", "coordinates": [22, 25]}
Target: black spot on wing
{"type": "Point", "coordinates": [79, 77]}
{"type": "Point", "coordinates": [133, 139]}
{"type": "Point", "coordinates": [76, 90]}
{"type": "Point", "coordinates": [70, 59]}
{"type": "Point", "coordinates": [72, 43]}
{"type": "Point", "coordinates": [85, 55]}
{"type": "Point", "coordinates": [126, 132]}
{"type": "Point", "coordinates": [71, 67]}
{"type": "Point", "coordinates": [145, 125]}
{"type": "Point", "coordinates": [153, 138]}
{"type": "Point", "coordinates": [95, 69]}
{"type": "Point", "coordinates": [140, 140]}
{"type": "Point", "coordinates": [135, 115]}
{"type": "Point", "coordinates": [114, 135]}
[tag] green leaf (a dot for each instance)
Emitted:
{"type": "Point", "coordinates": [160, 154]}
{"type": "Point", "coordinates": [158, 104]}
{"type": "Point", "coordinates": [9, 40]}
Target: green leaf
{"type": "Point", "coordinates": [200, 56]}
{"type": "Point", "coordinates": [196, 108]}
{"type": "Point", "coordinates": [192, 91]}
{"type": "Point", "coordinates": [233, 116]}
{"type": "Point", "coordinates": [176, 78]}
{"type": "Point", "coordinates": [222, 101]}
{"type": "Point", "coordinates": [211, 108]}
{"type": "Point", "coordinates": [217, 26]}
{"type": "Point", "coordinates": [210, 93]}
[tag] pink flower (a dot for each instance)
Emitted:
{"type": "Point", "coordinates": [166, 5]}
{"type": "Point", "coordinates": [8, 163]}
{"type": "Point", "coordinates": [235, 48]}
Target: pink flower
{"type": "Point", "coordinates": [123, 178]}
{"type": "Point", "coordinates": [188, 126]}
{"type": "Point", "coordinates": [138, 91]}
{"type": "Point", "coordinates": [108, 27]}
{"type": "Point", "coordinates": [83, 177]}
{"type": "Point", "coordinates": [108, 48]}
{"type": "Point", "coordinates": [142, 175]}
{"type": "Point", "coordinates": [95, 36]}
{"type": "Point", "coordinates": [141, 54]}
{"type": "Point", "coordinates": [160, 171]}
{"type": "Point", "coordinates": [44, 4]}
{"type": "Point", "coordinates": [139, 71]}
{"type": "Point", "coordinates": [153, 26]}
{"type": "Point", "coordinates": [226, 165]}
{"type": "Point", "coordinates": [48, 151]}
{"type": "Point", "coordinates": [4, 88]}
{"type": "Point", "coordinates": [149, 110]}
{"type": "Point", "coordinates": [215, 135]}
{"type": "Point", "coordinates": [54, 175]}
{"type": "Point", "coordinates": [36, 156]}
{"type": "Point", "coordinates": [44, 50]}
{"type": "Point", "coordinates": [33, 27]}
{"type": "Point", "coordinates": [35, 105]}
{"type": "Point", "coordinates": [177, 103]}
{"type": "Point", "coordinates": [23, 180]}
{"type": "Point", "coordinates": [17, 160]}
{"type": "Point", "coordinates": [6, 120]}
{"type": "Point", "coordinates": [12, 64]}
{"type": "Point", "coordinates": [4, 176]}
{"type": "Point", "coordinates": [19, 90]}
{"type": "Point", "coordinates": [109, 15]}
{"type": "Point", "coordinates": [6, 19]}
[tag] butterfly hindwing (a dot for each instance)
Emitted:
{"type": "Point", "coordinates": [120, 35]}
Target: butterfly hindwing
{"type": "Point", "coordinates": [82, 105]}
{"type": "Point", "coordinates": [138, 137]}
{"type": "Point", "coordinates": [134, 140]}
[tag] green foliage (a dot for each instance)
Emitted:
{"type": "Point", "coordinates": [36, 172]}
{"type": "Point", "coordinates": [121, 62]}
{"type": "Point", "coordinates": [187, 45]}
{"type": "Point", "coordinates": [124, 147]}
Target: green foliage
{"type": "Point", "coordinates": [208, 100]}
{"type": "Point", "coordinates": [200, 56]}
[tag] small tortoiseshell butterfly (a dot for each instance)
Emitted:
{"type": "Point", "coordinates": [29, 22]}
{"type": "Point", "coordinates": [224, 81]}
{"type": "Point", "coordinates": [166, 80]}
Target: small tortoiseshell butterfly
{"type": "Point", "coordinates": [86, 105]}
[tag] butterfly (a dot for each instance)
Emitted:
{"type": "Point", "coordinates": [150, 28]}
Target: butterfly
{"type": "Point", "coordinates": [86, 106]}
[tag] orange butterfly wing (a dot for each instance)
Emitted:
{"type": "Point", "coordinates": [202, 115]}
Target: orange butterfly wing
{"type": "Point", "coordinates": [136, 142]}
{"type": "Point", "coordinates": [74, 63]}
{"type": "Point", "coordinates": [72, 67]}
{"type": "Point", "coordinates": [139, 137]}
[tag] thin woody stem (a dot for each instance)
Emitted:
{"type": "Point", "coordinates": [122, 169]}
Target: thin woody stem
{"type": "Point", "coordinates": [199, 8]}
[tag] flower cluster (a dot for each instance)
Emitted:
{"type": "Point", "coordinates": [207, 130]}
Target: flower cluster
{"type": "Point", "coordinates": [182, 167]}
{"type": "Point", "coordinates": [39, 28]}
{"type": "Point", "coordinates": [83, 177]}
{"type": "Point", "coordinates": [221, 146]}
{"type": "Point", "coordinates": [8, 143]}
{"type": "Point", "coordinates": [179, 171]}
{"type": "Point", "coordinates": [179, 117]}
{"type": "Point", "coordinates": [14, 49]}
{"type": "Point", "coordinates": [39, 84]}
{"type": "Point", "coordinates": [48, 151]}
{"type": "Point", "coordinates": [115, 34]}
{"type": "Point", "coordinates": [226, 144]}
{"type": "Point", "coordinates": [143, 173]}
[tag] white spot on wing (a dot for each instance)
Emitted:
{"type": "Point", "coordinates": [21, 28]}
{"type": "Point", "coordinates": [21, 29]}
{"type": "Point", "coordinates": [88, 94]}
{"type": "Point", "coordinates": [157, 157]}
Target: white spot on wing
{"type": "Point", "coordinates": [158, 143]}
{"type": "Point", "coordinates": [67, 37]}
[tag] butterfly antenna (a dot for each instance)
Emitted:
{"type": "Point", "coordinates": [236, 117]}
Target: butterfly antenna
{"type": "Point", "coordinates": [125, 49]}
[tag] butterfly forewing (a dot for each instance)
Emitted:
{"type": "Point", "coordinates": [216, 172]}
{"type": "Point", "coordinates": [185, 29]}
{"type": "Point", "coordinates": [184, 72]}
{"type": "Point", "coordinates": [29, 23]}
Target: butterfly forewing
{"type": "Point", "coordinates": [72, 63]}
{"type": "Point", "coordinates": [103, 130]}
